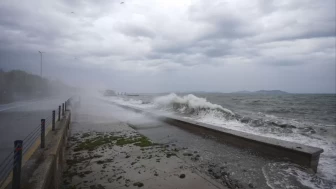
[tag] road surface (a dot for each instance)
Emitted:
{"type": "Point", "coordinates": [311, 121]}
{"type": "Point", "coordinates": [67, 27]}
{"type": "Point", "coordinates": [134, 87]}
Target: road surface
{"type": "Point", "coordinates": [18, 119]}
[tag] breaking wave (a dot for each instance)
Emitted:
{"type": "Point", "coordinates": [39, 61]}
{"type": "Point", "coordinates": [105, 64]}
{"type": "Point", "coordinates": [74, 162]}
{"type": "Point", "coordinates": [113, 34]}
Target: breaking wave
{"type": "Point", "coordinates": [191, 105]}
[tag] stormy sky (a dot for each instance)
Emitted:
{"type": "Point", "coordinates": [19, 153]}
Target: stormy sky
{"type": "Point", "coordinates": [174, 45]}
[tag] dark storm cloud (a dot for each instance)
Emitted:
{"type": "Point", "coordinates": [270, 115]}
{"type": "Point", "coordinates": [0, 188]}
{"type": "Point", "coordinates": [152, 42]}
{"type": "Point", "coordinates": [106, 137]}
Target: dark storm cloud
{"type": "Point", "coordinates": [174, 39]}
{"type": "Point", "coordinates": [221, 22]}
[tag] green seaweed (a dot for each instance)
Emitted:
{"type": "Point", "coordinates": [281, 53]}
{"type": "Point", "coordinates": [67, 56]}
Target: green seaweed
{"type": "Point", "coordinates": [94, 143]}
{"type": "Point", "coordinates": [84, 135]}
{"type": "Point", "coordinates": [141, 141]}
{"type": "Point", "coordinates": [100, 139]}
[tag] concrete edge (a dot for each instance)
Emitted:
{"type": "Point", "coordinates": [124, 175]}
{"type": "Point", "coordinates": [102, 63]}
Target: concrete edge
{"type": "Point", "coordinates": [43, 176]}
{"type": "Point", "coordinates": [34, 147]}
{"type": "Point", "coordinates": [40, 177]}
{"type": "Point", "coordinates": [301, 154]}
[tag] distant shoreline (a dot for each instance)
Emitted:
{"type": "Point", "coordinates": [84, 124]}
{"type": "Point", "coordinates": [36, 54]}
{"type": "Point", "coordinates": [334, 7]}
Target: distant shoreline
{"type": "Point", "coordinates": [238, 93]}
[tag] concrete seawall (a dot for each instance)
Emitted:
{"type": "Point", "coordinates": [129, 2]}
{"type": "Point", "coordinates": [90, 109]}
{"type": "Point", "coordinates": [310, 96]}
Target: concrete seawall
{"type": "Point", "coordinates": [48, 173]}
{"type": "Point", "coordinates": [297, 153]}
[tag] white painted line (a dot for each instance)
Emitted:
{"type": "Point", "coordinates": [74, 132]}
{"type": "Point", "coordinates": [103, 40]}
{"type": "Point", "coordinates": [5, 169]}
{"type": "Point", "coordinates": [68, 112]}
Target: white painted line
{"type": "Point", "coordinates": [13, 107]}
{"type": "Point", "coordinates": [27, 103]}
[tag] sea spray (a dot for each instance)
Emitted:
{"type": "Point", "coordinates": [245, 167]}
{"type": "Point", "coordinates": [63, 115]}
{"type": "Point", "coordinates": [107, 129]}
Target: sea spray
{"type": "Point", "coordinates": [190, 105]}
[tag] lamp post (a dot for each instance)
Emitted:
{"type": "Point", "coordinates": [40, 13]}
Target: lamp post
{"type": "Point", "coordinates": [41, 61]}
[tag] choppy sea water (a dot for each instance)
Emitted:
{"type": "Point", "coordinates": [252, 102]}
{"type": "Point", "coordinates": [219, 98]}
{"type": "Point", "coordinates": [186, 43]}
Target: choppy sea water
{"type": "Point", "coordinates": [303, 118]}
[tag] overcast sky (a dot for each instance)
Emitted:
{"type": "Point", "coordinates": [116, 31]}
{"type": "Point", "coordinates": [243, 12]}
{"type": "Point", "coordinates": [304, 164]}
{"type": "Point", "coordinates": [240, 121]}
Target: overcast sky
{"type": "Point", "coordinates": [174, 45]}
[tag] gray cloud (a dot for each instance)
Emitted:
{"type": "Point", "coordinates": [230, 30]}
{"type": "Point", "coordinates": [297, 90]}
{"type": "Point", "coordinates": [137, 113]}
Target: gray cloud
{"type": "Point", "coordinates": [207, 44]}
{"type": "Point", "coordinates": [136, 30]}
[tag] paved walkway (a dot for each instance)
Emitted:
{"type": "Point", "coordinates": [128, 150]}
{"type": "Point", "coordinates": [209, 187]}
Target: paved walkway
{"type": "Point", "coordinates": [106, 153]}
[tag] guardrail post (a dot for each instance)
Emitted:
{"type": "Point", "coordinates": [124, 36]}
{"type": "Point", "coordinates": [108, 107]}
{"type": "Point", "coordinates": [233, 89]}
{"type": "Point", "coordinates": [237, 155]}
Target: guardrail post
{"type": "Point", "coordinates": [59, 113]}
{"type": "Point", "coordinates": [42, 133]}
{"type": "Point", "coordinates": [62, 109]}
{"type": "Point", "coordinates": [16, 180]}
{"type": "Point", "coordinates": [53, 120]}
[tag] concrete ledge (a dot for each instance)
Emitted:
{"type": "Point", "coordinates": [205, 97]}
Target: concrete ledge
{"type": "Point", "coordinates": [34, 156]}
{"type": "Point", "coordinates": [298, 153]}
{"type": "Point", "coordinates": [48, 172]}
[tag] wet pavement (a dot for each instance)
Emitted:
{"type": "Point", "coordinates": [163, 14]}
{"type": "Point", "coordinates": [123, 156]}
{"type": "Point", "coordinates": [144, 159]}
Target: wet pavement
{"type": "Point", "coordinates": [110, 154]}
{"type": "Point", "coordinates": [98, 156]}
{"type": "Point", "coordinates": [19, 119]}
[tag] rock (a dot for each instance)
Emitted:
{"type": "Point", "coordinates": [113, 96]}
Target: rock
{"type": "Point", "coordinates": [224, 173]}
{"type": "Point", "coordinates": [170, 154]}
{"type": "Point", "coordinates": [217, 175]}
{"type": "Point", "coordinates": [216, 172]}
{"type": "Point", "coordinates": [322, 129]}
{"type": "Point", "coordinates": [195, 158]}
{"type": "Point", "coordinates": [182, 176]}
{"type": "Point", "coordinates": [138, 184]}
{"type": "Point", "coordinates": [251, 185]}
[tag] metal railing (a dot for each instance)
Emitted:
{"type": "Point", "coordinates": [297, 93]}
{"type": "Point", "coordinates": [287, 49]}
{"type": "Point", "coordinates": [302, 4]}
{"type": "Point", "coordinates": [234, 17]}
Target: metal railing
{"type": "Point", "coordinates": [12, 164]}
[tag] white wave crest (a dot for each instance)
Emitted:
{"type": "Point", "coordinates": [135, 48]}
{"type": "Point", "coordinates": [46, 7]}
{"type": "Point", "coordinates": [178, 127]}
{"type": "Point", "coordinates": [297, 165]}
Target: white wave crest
{"type": "Point", "coordinates": [188, 104]}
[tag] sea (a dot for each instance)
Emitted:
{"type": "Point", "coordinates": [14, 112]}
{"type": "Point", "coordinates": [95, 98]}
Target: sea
{"type": "Point", "coordinates": [308, 119]}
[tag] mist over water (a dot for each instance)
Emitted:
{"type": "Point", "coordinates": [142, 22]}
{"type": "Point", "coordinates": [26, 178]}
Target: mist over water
{"type": "Point", "coordinates": [301, 118]}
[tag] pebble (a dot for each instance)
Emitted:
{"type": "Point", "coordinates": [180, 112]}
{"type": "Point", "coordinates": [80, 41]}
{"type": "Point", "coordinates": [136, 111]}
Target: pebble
{"type": "Point", "coordinates": [182, 176]}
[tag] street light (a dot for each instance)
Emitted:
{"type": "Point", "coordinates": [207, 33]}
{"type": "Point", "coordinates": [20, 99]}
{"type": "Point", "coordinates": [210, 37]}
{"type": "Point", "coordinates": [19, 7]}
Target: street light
{"type": "Point", "coordinates": [41, 61]}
